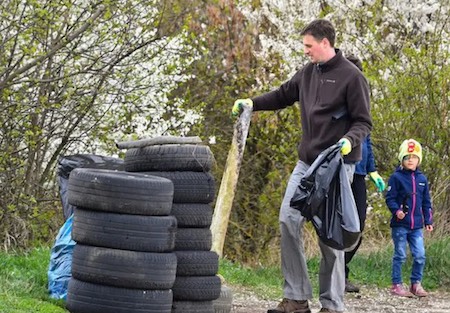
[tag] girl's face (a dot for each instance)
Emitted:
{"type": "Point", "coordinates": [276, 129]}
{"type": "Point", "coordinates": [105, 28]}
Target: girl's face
{"type": "Point", "coordinates": [410, 162]}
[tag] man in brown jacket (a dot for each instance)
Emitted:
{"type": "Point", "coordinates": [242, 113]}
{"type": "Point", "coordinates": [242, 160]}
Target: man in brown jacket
{"type": "Point", "coordinates": [333, 95]}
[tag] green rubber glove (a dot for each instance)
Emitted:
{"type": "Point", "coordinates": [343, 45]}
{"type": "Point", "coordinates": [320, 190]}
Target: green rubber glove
{"type": "Point", "coordinates": [377, 180]}
{"type": "Point", "coordinates": [239, 106]}
{"type": "Point", "coordinates": [346, 146]}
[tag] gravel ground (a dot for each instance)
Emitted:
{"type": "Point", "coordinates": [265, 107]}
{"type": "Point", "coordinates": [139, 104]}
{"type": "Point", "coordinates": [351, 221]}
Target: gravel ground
{"type": "Point", "coordinates": [368, 300]}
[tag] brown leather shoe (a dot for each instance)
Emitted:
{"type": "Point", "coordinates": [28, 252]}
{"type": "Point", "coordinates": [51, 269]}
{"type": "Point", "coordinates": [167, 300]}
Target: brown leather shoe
{"type": "Point", "coordinates": [291, 306]}
{"type": "Point", "coordinates": [350, 287]}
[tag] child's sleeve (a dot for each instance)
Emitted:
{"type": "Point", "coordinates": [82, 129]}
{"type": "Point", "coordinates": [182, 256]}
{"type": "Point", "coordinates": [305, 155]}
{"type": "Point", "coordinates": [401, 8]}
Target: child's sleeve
{"type": "Point", "coordinates": [392, 195]}
{"type": "Point", "coordinates": [370, 166]}
{"type": "Point", "coordinates": [427, 209]}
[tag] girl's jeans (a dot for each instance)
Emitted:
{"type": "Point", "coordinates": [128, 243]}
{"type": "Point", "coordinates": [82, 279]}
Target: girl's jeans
{"type": "Point", "coordinates": [401, 236]}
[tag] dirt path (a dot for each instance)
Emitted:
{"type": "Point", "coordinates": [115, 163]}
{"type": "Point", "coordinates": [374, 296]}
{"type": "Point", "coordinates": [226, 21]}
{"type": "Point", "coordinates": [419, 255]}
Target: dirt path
{"type": "Point", "coordinates": [368, 300]}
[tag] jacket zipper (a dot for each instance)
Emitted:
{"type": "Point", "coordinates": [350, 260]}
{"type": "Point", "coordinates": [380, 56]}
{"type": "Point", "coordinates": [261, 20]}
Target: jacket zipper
{"type": "Point", "coordinates": [413, 199]}
{"type": "Point", "coordinates": [316, 101]}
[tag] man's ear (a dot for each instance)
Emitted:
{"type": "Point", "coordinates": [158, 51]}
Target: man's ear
{"type": "Point", "coordinates": [326, 42]}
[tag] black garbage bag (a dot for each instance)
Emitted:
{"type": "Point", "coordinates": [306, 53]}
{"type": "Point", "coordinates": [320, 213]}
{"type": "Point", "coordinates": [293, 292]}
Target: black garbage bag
{"type": "Point", "coordinates": [325, 198]}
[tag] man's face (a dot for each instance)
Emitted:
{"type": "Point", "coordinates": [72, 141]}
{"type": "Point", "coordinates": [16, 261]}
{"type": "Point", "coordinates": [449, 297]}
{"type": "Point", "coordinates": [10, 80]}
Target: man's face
{"type": "Point", "coordinates": [314, 49]}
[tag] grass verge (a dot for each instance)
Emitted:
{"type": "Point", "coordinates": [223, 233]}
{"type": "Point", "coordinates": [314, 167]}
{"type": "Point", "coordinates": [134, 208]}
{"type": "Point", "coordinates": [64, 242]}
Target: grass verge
{"type": "Point", "coordinates": [371, 269]}
{"type": "Point", "coordinates": [23, 276]}
{"type": "Point", "coordinates": [23, 283]}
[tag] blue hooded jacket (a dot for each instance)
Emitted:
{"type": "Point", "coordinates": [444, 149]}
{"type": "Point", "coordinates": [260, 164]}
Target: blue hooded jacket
{"type": "Point", "coordinates": [408, 191]}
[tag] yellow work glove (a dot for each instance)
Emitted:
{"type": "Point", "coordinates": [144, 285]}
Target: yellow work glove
{"type": "Point", "coordinates": [377, 180]}
{"type": "Point", "coordinates": [346, 146]}
{"type": "Point", "coordinates": [239, 106]}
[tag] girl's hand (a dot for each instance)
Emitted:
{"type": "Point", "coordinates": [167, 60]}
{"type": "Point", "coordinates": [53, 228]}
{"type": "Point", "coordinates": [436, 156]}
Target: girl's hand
{"type": "Point", "coordinates": [400, 214]}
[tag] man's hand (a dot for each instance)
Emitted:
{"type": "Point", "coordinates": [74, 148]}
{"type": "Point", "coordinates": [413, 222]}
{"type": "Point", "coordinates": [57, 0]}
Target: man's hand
{"type": "Point", "coordinates": [377, 180]}
{"type": "Point", "coordinates": [239, 106]}
{"type": "Point", "coordinates": [346, 146]}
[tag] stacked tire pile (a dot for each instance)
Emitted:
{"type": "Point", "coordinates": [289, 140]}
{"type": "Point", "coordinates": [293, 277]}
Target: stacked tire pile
{"type": "Point", "coordinates": [188, 166]}
{"type": "Point", "coordinates": [123, 261]}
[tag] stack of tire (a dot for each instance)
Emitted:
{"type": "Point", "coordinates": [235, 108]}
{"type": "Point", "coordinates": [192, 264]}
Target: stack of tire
{"type": "Point", "coordinates": [188, 166]}
{"type": "Point", "coordinates": [123, 260]}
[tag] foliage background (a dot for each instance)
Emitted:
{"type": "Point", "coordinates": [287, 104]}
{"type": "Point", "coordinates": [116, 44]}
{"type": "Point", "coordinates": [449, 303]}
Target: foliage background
{"type": "Point", "coordinates": [76, 75]}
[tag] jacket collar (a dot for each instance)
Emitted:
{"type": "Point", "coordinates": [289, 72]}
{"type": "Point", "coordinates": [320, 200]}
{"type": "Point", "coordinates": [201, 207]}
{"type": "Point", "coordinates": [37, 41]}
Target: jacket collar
{"type": "Point", "coordinates": [325, 67]}
{"type": "Point", "coordinates": [404, 170]}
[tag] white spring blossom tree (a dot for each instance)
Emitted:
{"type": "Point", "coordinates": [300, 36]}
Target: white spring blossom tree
{"type": "Point", "coordinates": [405, 49]}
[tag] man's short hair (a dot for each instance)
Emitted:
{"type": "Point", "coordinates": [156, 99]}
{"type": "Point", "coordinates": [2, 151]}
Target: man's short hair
{"type": "Point", "coordinates": [320, 29]}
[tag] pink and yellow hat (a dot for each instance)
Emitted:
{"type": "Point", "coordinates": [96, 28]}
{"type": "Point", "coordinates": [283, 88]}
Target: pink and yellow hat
{"type": "Point", "coordinates": [410, 146]}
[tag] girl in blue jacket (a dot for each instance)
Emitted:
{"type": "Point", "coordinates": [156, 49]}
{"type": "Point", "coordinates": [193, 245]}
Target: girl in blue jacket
{"type": "Point", "coordinates": [408, 199]}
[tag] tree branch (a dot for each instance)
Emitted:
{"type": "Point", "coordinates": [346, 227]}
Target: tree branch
{"type": "Point", "coordinates": [55, 49]}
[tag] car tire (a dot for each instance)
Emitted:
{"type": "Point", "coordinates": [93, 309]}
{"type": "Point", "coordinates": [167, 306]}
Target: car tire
{"type": "Point", "coordinates": [84, 297]}
{"type": "Point", "coordinates": [124, 268]}
{"type": "Point", "coordinates": [169, 157]}
{"type": "Point", "coordinates": [120, 192]}
{"type": "Point", "coordinates": [124, 231]}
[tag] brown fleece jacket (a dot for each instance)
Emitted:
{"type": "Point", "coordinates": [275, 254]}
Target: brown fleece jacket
{"type": "Point", "coordinates": [334, 103]}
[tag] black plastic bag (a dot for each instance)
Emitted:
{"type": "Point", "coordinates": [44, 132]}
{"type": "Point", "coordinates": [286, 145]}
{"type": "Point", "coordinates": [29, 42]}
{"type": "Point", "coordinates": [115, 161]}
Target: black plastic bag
{"type": "Point", "coordinates": [324, 197]}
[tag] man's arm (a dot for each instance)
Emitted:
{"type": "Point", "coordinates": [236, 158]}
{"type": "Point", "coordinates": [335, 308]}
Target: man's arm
{"type": "Point", "coordinates": [358, 102]}
{"type": "Point", "coordinates": [287, 94]}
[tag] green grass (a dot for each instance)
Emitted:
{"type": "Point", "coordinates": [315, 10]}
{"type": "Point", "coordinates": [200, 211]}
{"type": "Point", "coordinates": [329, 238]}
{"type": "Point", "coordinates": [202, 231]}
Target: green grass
{"type": "Point", "coordinates": [372, 269]}
{"type": "Point", "coordinates": [23, 283]}
{"type": "Point", "coordinates": [23, 276]}
{"type": "Point", "coordinates": [375, 268]}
